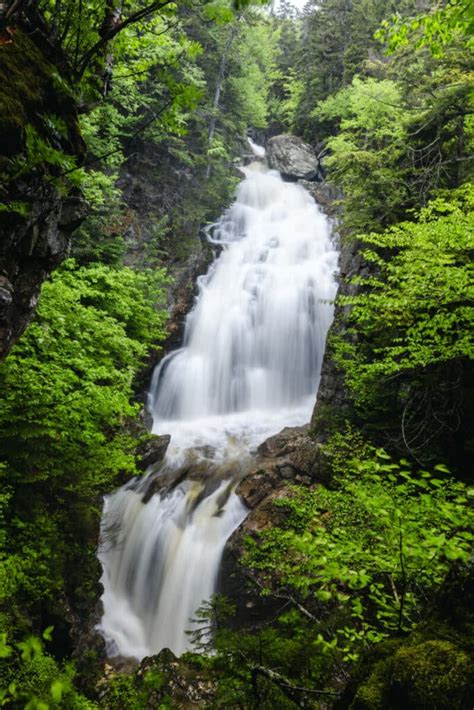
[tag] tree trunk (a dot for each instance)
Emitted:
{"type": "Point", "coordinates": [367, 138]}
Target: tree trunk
{"type": "Point", "coordinates": [218, 90]}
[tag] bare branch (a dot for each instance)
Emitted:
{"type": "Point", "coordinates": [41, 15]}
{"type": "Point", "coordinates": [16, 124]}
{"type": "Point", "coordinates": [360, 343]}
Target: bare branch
{"type": "Point", "coordinates": [294, 692]}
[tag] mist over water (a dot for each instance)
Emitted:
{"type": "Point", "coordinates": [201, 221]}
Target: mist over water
{"type": "Point", "coordinates": [249, 365]}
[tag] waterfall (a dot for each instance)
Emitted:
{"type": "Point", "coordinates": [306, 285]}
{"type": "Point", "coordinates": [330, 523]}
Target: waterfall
{"type": "Point", "coordinates": [249, 365]}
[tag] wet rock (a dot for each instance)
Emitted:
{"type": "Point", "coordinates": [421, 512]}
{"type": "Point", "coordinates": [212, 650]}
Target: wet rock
{"type": "Point", "coordinates": [292, 157]}
{"type": "Point", "coordinates": [292, 456]}
{"type": "Point", "coordinates": [278, 444]}
{"type": "Point", "coordinates": [164, 483]}
{"type": "Point", "coordinates": [206, 451]}
{"type": "Point", "coordinates": [163, 681]}
{"type": "Point", "coordinates": [324, 194]}
{"type": "Point", "coordinates": [258, 485]}
{"type": "Point", "coordinates": [6, 291]}
{"type": "Point", "coordinates": [146, 418]}
{"type": "Point", "coordinates": [334, 405]}
{"type": "Point", "coordinates": [240, 584]}
{"type": "Point", "coordinates": [120, 664]}
{"type": "Point", "coordinates": [287, 472]}
{"type": "Point", "coordinates": [294, 452]}
{"type": "Point", "coordinates": [205, 475]}
{"type": "Point", "coordinates": [152, 451]}
{"type": "Point", "coordinates": [179, 302]}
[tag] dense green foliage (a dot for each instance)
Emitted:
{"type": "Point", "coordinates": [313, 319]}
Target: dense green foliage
{"type": "Point", "coordinates": [396, 145]}
{"type": "Point", "coordinates": [402, 158]}
{"type": "Point", "coordinates": [349, 567]}
{"type": "Point", "coordinates": [413, 324]}
{"type": "Point", "coordinates": [163, 95]}
{"type": "Point", "coordinates": [177, 115]}
{"type": "Point", "coordinates": [68, 383]}
{"type": "Point", "coordinates": [148, 79]}
{"type": "Point", "coordinates": [382, 538]}
{"type": "Point", "coordinates": [38, 681]}
{"type": "Point", "coordinates": [67, 399]}
{"type": "Point", "coordinates": [337, 37]}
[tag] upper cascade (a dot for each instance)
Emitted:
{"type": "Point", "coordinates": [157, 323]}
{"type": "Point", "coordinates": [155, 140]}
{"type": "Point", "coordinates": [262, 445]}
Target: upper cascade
{"type": "Point", "coordinates": [255, 339]}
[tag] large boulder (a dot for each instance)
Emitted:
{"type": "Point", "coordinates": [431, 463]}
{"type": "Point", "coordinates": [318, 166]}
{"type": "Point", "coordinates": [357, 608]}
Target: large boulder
{"type": "Point", "coordinates": [292, 157]}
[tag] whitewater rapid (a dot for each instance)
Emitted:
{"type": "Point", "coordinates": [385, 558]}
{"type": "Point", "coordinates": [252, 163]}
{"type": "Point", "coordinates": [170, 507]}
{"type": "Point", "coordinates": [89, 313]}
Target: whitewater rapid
{"type": "Point", "coordinates": [249, 365]}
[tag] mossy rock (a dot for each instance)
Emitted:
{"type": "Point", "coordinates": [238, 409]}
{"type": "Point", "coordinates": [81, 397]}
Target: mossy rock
{"type": "Point", "coordinates": [32, 87]}
{"type": "Point", "coordinates": [24, 77]}
{"type": "Point", "coordinates": [419, 676]}
{"type": "Point", "coordinates": [433, 674]}
{"type": "Point", "coordinates": [162, 681]}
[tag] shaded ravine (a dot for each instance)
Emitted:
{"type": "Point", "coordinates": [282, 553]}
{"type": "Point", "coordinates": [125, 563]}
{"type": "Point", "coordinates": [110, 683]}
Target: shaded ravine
{"type": "Point", "coordinates": [249, 365]}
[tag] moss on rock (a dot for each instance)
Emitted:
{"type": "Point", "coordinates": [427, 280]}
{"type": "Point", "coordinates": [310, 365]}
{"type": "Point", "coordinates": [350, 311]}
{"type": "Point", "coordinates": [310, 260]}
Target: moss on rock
{"type": "Point", "coordinates": [40, 142]}
{"type": "Point", "coordinates": [24, 76]}
{"type": "Point", "coordinates": [32, 88]}
{"type": "Point", "coordinates": [431, 668]}
{"type": "Point", "coordinates": [162, 681]}
{"type": "Point", "coordinates": [419, 676]}
{"type": "Point", "coordinates": [432, 674]}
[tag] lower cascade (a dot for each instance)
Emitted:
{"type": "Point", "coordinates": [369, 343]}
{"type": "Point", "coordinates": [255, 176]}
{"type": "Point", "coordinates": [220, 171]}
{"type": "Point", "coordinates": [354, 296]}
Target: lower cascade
{"type": "Point", "coordinates": [249, 366]}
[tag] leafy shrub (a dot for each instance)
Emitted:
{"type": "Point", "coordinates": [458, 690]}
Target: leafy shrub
{"type": "Point", "coordinates": [67, 397]}
{"type": "Point", "coordinates": [377, 545]}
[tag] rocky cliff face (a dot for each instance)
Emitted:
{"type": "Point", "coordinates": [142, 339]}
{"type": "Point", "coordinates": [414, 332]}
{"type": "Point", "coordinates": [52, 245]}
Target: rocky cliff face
{"type": "Point", "coordinates": [167, 204]}
{"type": "Point", "coordinates": [32, 245]}
{"type": "Point", "coordinates": [333, 405]}
{"type": "Point", "coordinates": [38, 211]}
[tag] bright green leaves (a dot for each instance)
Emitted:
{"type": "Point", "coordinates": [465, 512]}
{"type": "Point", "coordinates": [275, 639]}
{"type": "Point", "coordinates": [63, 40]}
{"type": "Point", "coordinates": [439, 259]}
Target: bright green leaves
{"type": "Point", "coordinates": [342, 570]}
{"type": "Point", "coordinates": [368, 108]}
{"type": "Point", "coordinates": [68, 382]}
{"type": "Point", "coordinates": [400, 131]}
{"type": "Point", "coordinates": [250, 86]}
{"type": "Point", "coordinates": [365, 154]}
{"type": "Point", "coordinates": [218, 11]}
{"type": "Point", "coordinates": [67, 398]}
{"type": "Point", "coordinates": [416, 312]}
{"type": "Point", "coordinates": [433, 30]}
{"type": "Point", "coordinates": [38, 682]}
{"type": "Point", "coordinates": [403, 142]}
{"type": "Point", "coordinates": [375, 546]}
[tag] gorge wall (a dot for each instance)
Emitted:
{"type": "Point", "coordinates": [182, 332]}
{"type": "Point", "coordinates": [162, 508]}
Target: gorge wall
{"type": "Point", "coordinates": [38, 125]}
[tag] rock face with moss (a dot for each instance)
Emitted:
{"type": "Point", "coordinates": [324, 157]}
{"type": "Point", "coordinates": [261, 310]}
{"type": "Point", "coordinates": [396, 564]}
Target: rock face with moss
{"type": "Point", "coordinates": [430, 668]}
{"type": "Point", "coordinates": [333, 405]}
{"type": "Point", "coordinates": [39, 209]}
{"type": "Point", "coordinates": [291, 457]}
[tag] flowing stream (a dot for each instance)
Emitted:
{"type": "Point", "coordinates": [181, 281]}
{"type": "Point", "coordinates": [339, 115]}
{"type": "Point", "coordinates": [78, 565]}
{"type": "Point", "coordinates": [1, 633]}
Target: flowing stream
{"type": "Point", "coordinates": [249, 366]}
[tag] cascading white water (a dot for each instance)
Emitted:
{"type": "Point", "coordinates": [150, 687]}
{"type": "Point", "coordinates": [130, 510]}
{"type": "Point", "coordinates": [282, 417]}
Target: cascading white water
{"type": "Point", "coordinates": [249, 365]}
{"type": "Point", "coordinates": [161, 565]}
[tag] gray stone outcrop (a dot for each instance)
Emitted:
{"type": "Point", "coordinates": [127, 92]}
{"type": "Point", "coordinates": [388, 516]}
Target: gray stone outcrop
{"type": "Point", "coordinates": [292, 157]}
